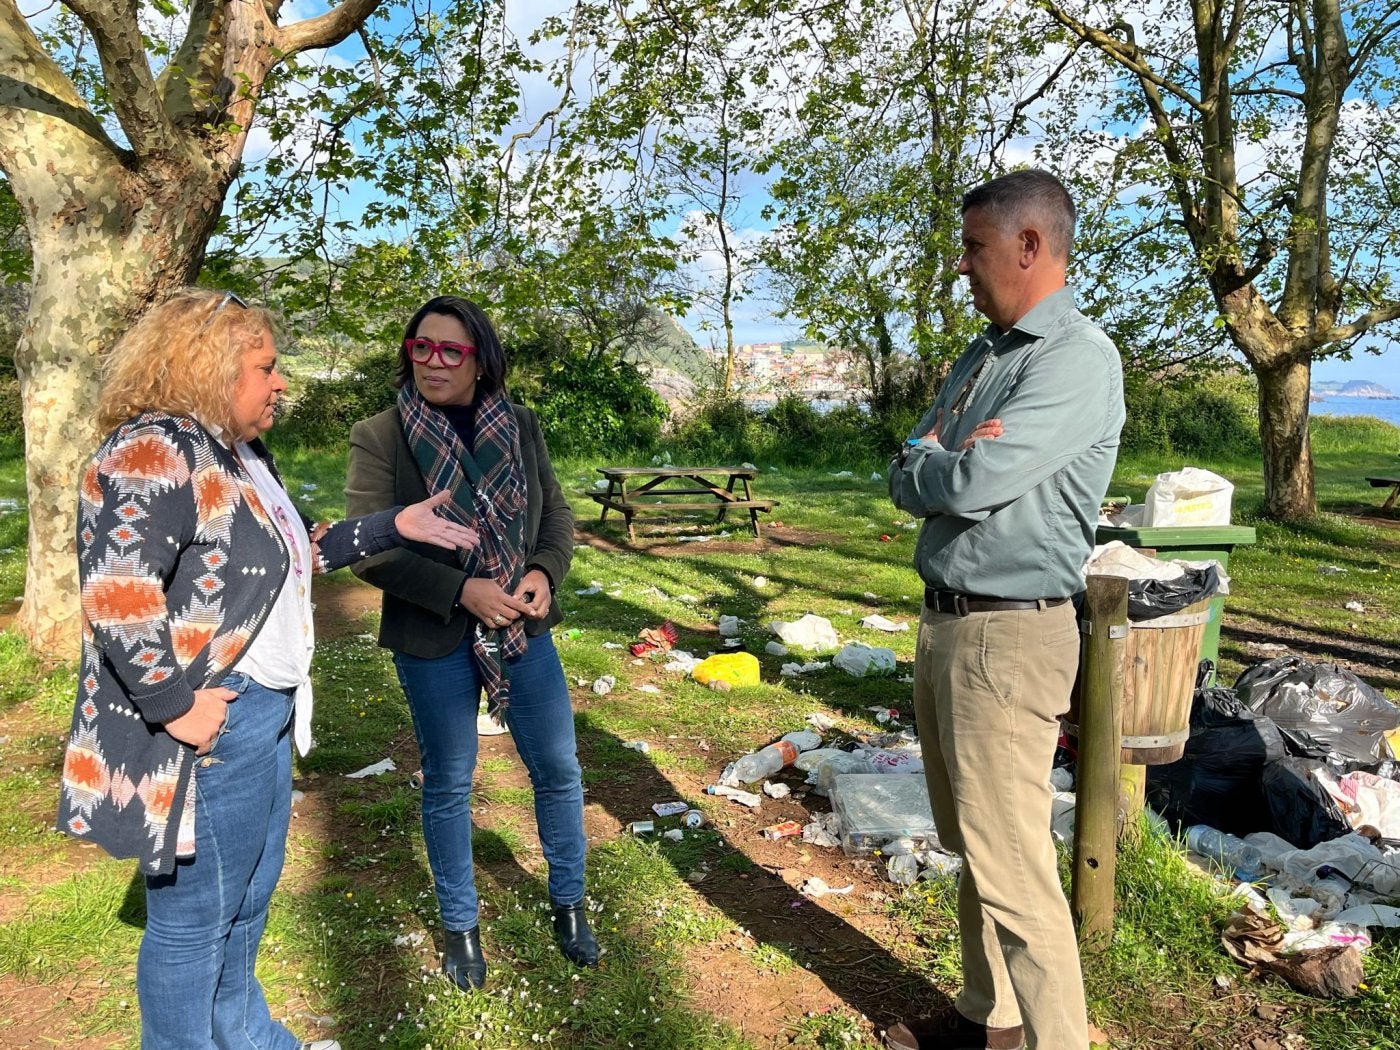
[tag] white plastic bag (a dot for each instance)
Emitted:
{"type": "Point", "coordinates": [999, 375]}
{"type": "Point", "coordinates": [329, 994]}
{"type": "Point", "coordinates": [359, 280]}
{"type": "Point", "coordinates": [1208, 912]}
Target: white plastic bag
{"type": "Point", "coordinates": [864, 661]}
{"type": "Point", "coordinates": [810, 632]}
{"type": "Point", "coordinates": [1189, 496]}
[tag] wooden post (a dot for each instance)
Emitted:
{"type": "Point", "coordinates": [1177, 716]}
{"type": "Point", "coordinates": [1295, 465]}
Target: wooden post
{"type": "Point", "coordinates": [1100, 731]}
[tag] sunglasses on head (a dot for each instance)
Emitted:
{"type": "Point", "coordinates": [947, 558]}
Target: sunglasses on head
{"type": "Point", "coordinates": [421, 351]}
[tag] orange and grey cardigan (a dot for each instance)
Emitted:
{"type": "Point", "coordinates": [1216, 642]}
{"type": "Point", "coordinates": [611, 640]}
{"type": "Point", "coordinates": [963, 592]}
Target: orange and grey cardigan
{"type": "Point", "coordinates": [179, 565]}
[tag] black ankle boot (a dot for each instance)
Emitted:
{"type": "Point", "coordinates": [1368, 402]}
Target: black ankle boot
{"type": "Point", "coordinates": [462, 960]}
{"type": "Point", "coordinates": [575, 939]}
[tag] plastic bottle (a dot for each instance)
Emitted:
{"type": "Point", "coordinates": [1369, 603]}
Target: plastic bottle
{"type": "Point", "coordinates": [765, 762]}
{"type": "Point", "coordinates": [1231, 853]}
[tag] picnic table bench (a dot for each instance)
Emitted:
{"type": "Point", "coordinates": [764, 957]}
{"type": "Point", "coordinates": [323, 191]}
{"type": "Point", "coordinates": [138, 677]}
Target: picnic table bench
{"type": "Point", "coordinates": [1393, 484]}
{"type": "Point", "coordinates": [652, 490]}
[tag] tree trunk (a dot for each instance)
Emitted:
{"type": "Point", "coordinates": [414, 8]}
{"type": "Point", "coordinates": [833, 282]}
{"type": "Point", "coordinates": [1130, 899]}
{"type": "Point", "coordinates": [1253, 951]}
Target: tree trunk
{"type": "Point", "coordinates": [88, 289]}
{"type": "Point", "coordinates": [1283, 434]}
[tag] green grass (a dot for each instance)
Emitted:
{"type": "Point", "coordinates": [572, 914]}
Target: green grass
{"type": "Point", "coordinates": [357, 890]}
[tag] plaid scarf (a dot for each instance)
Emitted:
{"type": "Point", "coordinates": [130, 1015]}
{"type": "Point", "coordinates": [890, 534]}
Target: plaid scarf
{"type": "Point", "coordinates": [488, 494]}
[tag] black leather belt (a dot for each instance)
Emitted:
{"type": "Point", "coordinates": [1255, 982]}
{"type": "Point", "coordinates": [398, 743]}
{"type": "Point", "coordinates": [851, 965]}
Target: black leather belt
{"type": "Point", "coordinates": [957, 604]}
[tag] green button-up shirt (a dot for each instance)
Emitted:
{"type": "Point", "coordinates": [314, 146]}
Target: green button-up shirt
{"type": "Point", "coordinates": [1014, 517]}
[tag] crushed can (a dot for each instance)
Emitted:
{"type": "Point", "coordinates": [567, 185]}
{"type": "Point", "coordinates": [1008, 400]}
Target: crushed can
{"type": "Point", "coordinates": [693, 818]}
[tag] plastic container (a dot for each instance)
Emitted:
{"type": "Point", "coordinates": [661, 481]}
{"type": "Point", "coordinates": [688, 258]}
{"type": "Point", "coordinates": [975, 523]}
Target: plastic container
{"type": "Point", "coordinates": [876, 808]}
{"type": "Point", "coordinates": [764, 763]}
{"type": "Point", "coordinates": [1233, 854]}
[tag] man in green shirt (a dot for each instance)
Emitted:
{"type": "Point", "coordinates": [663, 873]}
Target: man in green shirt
{"type": "Point", "coordinates": [1007, 470]}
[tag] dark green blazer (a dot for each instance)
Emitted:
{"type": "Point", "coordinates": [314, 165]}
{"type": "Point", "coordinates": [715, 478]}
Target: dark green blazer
{"type": "Point", "coordinates": [420, 615]}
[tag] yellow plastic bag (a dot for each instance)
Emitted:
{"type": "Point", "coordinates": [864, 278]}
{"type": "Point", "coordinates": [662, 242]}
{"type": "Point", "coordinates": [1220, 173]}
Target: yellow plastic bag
{"type": "Point", "coordinates": [738, 669]}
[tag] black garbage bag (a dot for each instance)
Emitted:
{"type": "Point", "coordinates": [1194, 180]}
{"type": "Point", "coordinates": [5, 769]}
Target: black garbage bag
{"type": "Point", "coordinates": [1300, 808]}
{"type": "Point", "coordinates": [1218, 781]}
{"type": "Point", "coordinates": [1149, 599]}
{"type": "Point", "coordinates": [1322, 710]}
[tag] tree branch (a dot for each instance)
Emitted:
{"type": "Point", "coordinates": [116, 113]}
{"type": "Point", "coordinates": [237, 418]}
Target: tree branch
{"type": "Point", "coordinates": [325, 30]}
{"type": "Point", "coordinates": [39, 102]}
{"type": "Point", "coordinates": [1362, 325]}
{"type": "Point", "coordinates": [116, 31]}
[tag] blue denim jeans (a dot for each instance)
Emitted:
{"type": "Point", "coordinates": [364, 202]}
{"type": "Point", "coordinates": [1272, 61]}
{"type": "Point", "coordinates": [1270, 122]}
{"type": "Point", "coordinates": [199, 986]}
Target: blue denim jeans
{"type": "Point", "coordinates": [194, 972]}
{"type": "Point", "coordinates": [444, 694]}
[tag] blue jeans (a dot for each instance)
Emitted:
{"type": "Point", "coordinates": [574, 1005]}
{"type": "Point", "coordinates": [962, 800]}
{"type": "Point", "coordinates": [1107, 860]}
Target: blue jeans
{"type": "Point", "coordinates": [444, 694]}
{"type": "Point", "coordinates": [194, 972]}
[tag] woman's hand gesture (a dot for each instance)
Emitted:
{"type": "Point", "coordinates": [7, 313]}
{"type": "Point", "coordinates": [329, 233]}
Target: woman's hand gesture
{"type": "Point", "coordinates": [420, 522]}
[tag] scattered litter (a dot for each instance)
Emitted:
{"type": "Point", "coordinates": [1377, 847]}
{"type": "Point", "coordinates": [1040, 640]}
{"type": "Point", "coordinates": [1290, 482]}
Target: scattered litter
{"type": "Point", "coordinates": [604, 685]}
{"type": "Point", "coordinates": [870, 596]}
{"type": "Point", "coordinates": [693, 818]}
{"type": "Point", "coordinates": [776, 649]}
{"type": "Point", "coordinates": [739, 795]}
{"type": "Point", "coordinates": [729, 626]}
{"type": "Point", "coordinates": [637, 745]}
{"type": "Point", "coordinates": [650, 639]}
{"type": "Point", "coordinates": [9, 504]}
{"type": "Point", "coordinates": [641, 827]}
{"type": "Point", "coordinates": [1061, 779]}
{"type": "Point", "coordinates": [864, 661]}
{"type": "Point", "coordinates": [879, 623]}
{"type": "Point", "coordinates": [647, 687]}
{"type": "Point", "coordinates": [308, 486]}
{"type": "Point", "coordinates": [611, 645]}
{"type": "Point", "coordinates": [704, 536]}
{"type": "Point", "coordinates": [1354, 607]}
{"type": "Point", "coordinates": [760, 582]}
{"type": "Point", "coordinates": [1268, 647]}
{"type": "Point", "coordinates": [884, 715]}
{"type": "Point", "coordinates": [877, 476]}
{"type": "Point", "coordinates": [669, 809]}
{"type": "Point", "coordinates": [298, 796]}
{"type": "Point", "coordinates": [1331, 570]}
{"type": "Point", "coordinates": [793, 669]}
{"type": "Point", "coordinates": [815, 887]}
{"type": "Point", "coordinates": [902, 869]}
{"type": "Point", "coordinates": [386, 766]}
{"type": "Point", "coordinates": [824, 830]}
{"type": "Point", "coordinates": [809, 632]}
{"type": "Point", "coordinates": [600, 484]}
{"type": "Point", "coordinates": [781, 831]}
{"type": "Point", "coordinates": [821, 722]}
{"type": "Point", "coordinates": [841, 474]}
{"type": "Point", "coordinates": [776, 789]}
{"type": "Point", "coordinates": [594, 587]}
{"type": "Point", "coordinates": [408, 940]}
{"type": "Point", "coordinates": [673, 834]}
{"type": "Point", "coordinates": [733, 643]}
{"type": "Point", "coordinates": [748, 466]}
{"type": "Point", "coordinates": [696, 877]}
{"type": "Point", "coordinates": [803, 739]}
{"type": "Point", "coordinates": [737, 669]}
{"type": "Point", "coordinates": [681, 661]}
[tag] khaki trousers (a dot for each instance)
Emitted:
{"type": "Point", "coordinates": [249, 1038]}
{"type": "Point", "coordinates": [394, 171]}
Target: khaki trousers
{"type": "Point", "coordinates": [988, 692]}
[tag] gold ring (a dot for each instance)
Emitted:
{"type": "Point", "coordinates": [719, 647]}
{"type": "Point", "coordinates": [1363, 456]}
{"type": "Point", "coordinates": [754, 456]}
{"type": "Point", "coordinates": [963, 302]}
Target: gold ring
{"type": "Point", "coordinates": [498, 618]}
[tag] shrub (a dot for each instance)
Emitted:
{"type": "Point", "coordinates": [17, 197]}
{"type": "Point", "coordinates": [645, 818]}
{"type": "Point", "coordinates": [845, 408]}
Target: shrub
{"type": "Point", "coordinates": [719, 428]}
{"type": "Point", "coordinates": [326, 409]}
{"type": "Point", "coordinates": [1214, 414]}
{"type": "Point", "coordinates": [591, 405]}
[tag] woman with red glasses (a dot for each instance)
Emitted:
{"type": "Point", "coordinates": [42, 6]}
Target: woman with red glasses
{"type": "Point", "coordinates": [461, 626]}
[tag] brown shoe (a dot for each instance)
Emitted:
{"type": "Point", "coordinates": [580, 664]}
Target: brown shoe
{"type": "Point", "coordinates": [950, 1030]}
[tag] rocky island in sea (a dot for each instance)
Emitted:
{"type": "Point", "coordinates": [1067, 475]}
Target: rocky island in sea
{"type": "Point", "coordinates": [1353, 388]}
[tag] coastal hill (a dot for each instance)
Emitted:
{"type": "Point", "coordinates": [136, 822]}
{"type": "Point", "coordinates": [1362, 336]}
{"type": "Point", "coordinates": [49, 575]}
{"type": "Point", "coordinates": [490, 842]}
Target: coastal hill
{"type": "Point", "coordinates": [1353, 388]}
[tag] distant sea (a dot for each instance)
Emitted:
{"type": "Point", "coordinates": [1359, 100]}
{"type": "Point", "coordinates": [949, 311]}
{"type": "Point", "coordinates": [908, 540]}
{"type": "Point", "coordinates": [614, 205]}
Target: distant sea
{"type": "Point", "coordinates": [1387, 409]}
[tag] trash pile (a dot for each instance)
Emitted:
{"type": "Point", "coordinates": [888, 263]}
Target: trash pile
{"type": "Point", "coordinates": [1288, 787]}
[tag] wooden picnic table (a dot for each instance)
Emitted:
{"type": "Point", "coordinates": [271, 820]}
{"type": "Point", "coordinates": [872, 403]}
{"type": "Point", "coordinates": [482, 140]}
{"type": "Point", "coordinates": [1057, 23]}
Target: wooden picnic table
{"type": "Point", "coordinates": [652, 490]}
{"type": "Point", "coordinates": [1392, 483]}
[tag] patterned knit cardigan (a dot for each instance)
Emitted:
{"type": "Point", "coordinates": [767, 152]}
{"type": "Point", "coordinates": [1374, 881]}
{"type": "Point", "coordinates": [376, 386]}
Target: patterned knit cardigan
{"type": "Point", "coordinates": [179, 564]}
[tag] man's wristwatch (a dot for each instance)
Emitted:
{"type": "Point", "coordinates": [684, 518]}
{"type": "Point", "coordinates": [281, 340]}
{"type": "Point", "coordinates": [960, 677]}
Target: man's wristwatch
{"type": "Point", "coordinates": [905, 449]}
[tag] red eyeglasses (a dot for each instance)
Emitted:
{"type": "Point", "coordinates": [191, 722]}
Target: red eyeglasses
{"type": "Point", "coordinates": [421, 351]}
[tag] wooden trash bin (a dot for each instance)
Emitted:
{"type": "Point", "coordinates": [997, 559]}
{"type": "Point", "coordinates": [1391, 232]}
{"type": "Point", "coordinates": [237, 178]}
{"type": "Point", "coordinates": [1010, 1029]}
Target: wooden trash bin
{"type": "Point", "coordinates": [1159, 680]}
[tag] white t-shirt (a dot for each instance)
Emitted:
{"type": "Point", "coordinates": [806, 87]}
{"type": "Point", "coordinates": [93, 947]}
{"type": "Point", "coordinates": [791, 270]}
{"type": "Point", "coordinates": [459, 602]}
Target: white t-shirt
{"type": "Point", "coordinates": [280, 655]}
